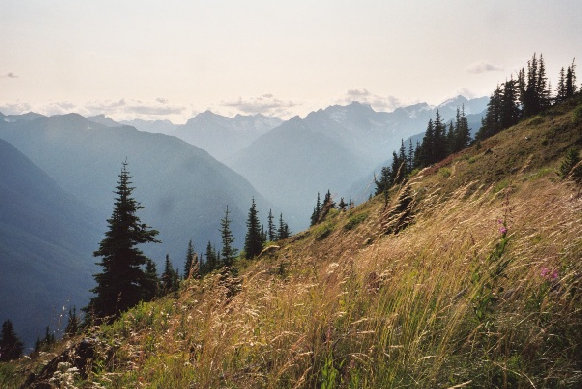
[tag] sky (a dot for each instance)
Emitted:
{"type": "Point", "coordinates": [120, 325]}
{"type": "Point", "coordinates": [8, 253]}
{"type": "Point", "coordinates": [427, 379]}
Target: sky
{"type": "Point", "coordinates": [173, 59]}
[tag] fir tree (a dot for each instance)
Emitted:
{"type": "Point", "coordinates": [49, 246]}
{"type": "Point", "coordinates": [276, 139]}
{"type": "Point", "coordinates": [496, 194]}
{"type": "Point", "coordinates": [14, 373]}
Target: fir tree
{"type": "Point", "coordinates": [228, 251]}
{"type": "Point", "coordinates": [571, 80]}
{"type": "Point", "coordinates": [342, 205]}
{"type": "Point", "coordinates": [190, 253]}
{"type": "Point", "coordinates": [271, 231]}
{"type": "Point", "coordinates": [542, 89]}
{"type": "Point", "coordinates": [561, 89]}
{"type": "Point", "coordinates": [410, 155]}
{"type": "Point", "coordinates": [491, 123]}
{"type": "Point", "coordinates": [440, 144]}
{"type": "Point", "coordinates": [253, 238]}
{"type": "Point", "coordinates": [427, 146]}
{"type": "Point", "coordinates": [570, 166]}
{"type": "Point", "coordinates": [509, 111]}
{"type": "Point", "coordinates": [283, 231]}
{"type": "Point", "coordinates": [10, 346]}
{"type": "Point", "coordinates": [169, 278]}
{"type": "Point", "coordinates": [121, 283]}
{"type": "Point", "coordinates": [316, 211]}
{"type": "Point", "coordinates": [152, 282]}
{"type": "Point", "coordinates": [383, 183]}
{"type": "Point", "coordinates": [211, 260]}
{"type": "Point", "coordinates": [73, 323]}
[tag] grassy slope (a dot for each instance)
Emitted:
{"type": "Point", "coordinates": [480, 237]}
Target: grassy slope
{"type": "Point", "coordinates": [447, 301]}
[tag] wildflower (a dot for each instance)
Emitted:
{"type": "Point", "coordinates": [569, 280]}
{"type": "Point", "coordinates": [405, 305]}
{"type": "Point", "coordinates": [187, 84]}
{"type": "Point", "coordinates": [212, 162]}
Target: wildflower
{"type": "Point", "coordinates": [549, 274]}
{"type": "Point", "coordinates": [503, 230]}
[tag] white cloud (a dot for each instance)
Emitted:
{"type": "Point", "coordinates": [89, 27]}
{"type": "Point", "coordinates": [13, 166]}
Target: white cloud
{"type": "Point", "coordinates": [483, 67]}
{"type": "Point", "coordinates": [15, 108]}
{"type": "Point", "coordinates": [378, 102]}
{"type": "Point", "coordinates": [266, 104]}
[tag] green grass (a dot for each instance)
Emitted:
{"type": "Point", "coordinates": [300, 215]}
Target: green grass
{"type": "Point", "coordinates": [354, 220]}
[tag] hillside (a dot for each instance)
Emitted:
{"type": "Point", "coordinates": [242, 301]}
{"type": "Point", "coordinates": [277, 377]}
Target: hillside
{"type": "Point", "coordinates": [46, 240]}
{"type": "Point", "coordinates": [469, 277]}
{"type": "Point", "coordinates": [183, 189]}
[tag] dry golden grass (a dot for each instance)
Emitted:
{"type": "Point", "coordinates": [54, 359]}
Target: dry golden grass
{"type": "Point", "coordinates": [357, 308]}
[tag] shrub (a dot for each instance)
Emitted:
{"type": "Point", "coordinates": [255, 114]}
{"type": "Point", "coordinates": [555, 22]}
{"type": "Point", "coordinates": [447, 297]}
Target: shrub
{"type": "Point", "coordinates": [445, 172]}
{"type": "Point", "coordinates": [323, 231]}
{"type": "Point", "coordinates": [354, 220]}
{"type": "Point", "coordinates": [577, 114]}
{"type": "Point", "coordinates": [568, 165]}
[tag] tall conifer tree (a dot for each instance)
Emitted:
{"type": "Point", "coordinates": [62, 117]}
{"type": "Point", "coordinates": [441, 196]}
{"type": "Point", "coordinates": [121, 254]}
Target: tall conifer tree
{"type": "Point", "coordinates": [228, 251]}
{"type": "Point", "coordinates": [253, 238]}
{"type": "Point", "coordinates": [271, 230]}
{"type": "Point", "coordinates": [122, 281]}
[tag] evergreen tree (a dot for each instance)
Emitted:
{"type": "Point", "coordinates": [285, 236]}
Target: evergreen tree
{"type": "Point", "coordinates": [316, 211]}
{"type": "Point", "coordinates": [450, 138]}
{"type": "Point", "coordinates": [283, 231]}
{"type": "Point", "coordinates": [228, 251]}
{"type": "Point", "coordinates": [73, 323]}
{"type": "Point", "coordinates": [121, 283]}
{"type": "Point", "coordinates": [561, 89]}
{"type": "Point", "coordinates": [491, 123]}
{"type": "Point", "coordinates": [169, 278]}
{"type": "Point", "coordinates": [427, 146]}
{"type": "Point", "coordinates": [410, 156]}
{"type": "Point", "coordinates": [271, 231]}
{"type": "Point", "coordinates": [509, 111]}
{"type": "Point", "coordinates": [211, 260]}
{"type": "Point", "coordinates": [10, 346]}
{"type": "Point", "coordinates": [542, 88]}
{"type": "Point", "coordinates": [571, 80]}
{"type": "Point", "coordinates": [570, 165]}
{"type": "Point", "coordinates": [190, 253]}
{"type": "Point", "coordinates": [342, 204]}
{"type": "Point", "coordinates": [152, 282]}
{"type": "Point", "coordinates": [253, 238]}
{"type": "Point", "coordinates": [440, 143]}
{"type": "Point", "coordinates": [403, 158]}
{"type": "Point", "coordinates": [46, 342]}
{"type": "Point", "coordinates": [530, 100]}
{"type": "Point", "coordinates": [384, 183]}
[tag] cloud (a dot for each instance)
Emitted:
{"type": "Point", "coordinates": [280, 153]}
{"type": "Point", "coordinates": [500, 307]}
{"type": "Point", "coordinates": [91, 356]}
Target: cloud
{"type": "Point", "coordinates": [15, 108]}
{"type": "Point", "coordinates": [483, 67]}
{"type": "Point", "coordinates": [10, 75]}
{"type": "Point", "coordinates": [363, 95]}
{"type": "Point", "coordinates": [266, 104]}
{"type": "Point", "coordinates": [153, 110]}
{"type": "Point", "coordinates": [162, 100]}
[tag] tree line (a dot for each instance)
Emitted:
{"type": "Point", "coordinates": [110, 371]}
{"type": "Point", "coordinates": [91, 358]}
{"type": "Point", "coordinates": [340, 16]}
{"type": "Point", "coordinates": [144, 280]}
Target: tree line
{"type": "Point", "coordinates": [527, 95]}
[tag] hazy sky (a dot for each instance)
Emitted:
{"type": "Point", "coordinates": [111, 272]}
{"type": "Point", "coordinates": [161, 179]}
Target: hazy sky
{"type": "Point", "coordinates": [173, 59]}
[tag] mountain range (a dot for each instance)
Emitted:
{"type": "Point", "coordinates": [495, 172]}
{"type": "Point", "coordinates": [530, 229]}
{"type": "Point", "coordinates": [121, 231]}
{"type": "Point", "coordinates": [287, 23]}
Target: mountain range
{"type": "Point", "coordinates": [183, 189]}
{"type": "Point", "coordinates": [336, 148]}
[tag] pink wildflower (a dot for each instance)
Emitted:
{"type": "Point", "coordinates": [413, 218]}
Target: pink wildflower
{"type": "Point", "coordinates": [502, 230]}
{"type": "Point", "coordinates": [549, 274]}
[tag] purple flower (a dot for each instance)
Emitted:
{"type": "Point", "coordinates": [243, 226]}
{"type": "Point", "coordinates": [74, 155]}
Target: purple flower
{"type": "Point", "coordinates": [502, 230]}
{"type": "Point", "coordinates": [549, 274]}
